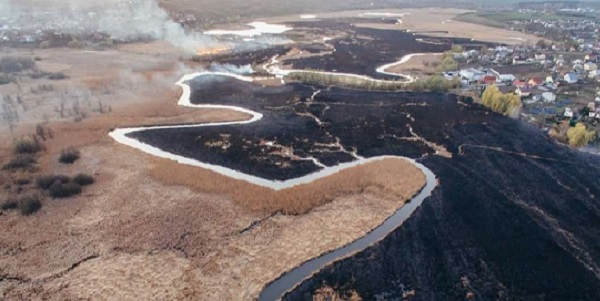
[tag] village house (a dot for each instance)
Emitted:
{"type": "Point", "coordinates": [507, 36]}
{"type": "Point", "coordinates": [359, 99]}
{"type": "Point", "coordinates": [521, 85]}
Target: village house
{"type": "Point", "coordinates": [548, 97]}
{"type": "Point", "coordinates": [520, 83]}
{"type": "Point", "coordinates": [560, 61]}
{"type": "Point", "coordinates": [471, 74]}
{"type": "Point", "coordinates": [540, 57]}
{"type": "Point", "coordinates": [536, 81]}
{"type": "Point", "coordinates": [520, 60]}
{"type": "Point", "coordinates": [589, 66]}
{"type": "Point", "coordinates": [592, 57]}
{"type": "Point", "coordinates": [504, 78]}
{"type": "Point", "coordinates": [571, 78]}
{"type": "Point", "coordinates": [489, 79]}
{"type": "Point", "coordinates": [568, 112]}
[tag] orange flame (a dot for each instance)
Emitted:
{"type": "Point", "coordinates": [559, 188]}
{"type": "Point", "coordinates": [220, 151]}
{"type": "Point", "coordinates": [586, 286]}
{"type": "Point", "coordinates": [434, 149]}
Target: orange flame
{"type": "Point", "coordinates": [212, 51]}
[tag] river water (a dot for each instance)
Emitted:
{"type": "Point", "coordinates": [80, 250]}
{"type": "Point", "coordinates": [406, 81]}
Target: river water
{"type": "Point", "coordinates": [288, 281]}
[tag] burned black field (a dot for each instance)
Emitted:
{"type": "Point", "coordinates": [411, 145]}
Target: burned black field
{"type": "Point", "coordinates": [332, 127]}
{"type": "Point", "coordinates": [364, 49]}
{"type": "Point", "coordinates": [515, 216]}
{"type": "Point", "coordinates": [519, 221]}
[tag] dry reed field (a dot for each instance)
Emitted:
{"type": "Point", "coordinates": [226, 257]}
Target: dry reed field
{"type": "Point", "coordinates": [389, 178]}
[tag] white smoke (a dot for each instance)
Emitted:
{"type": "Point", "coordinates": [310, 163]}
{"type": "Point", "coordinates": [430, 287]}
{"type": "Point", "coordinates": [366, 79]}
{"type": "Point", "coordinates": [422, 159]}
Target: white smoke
{"type": "Point", "coordinates": [230, 68]}
{"type": "Point", "coordinates": [125, 20]}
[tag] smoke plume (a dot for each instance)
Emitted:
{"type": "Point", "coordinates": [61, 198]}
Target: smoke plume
{"type": "Point", "coordinates": [125, 20]}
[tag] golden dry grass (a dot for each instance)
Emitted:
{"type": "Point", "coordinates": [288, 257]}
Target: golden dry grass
{"type": "Point", "coordinates": [418, 65]}
{"type": "Point", "coordinates": [389, 178]}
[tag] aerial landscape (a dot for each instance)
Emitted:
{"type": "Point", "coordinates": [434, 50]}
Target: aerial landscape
{"type": "Point", "coordinates": [307, 150]}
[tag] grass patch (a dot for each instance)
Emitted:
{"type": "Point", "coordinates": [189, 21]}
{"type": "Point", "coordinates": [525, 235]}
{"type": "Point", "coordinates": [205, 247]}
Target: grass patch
{"type": "Point", "coordinates": [69, 156]}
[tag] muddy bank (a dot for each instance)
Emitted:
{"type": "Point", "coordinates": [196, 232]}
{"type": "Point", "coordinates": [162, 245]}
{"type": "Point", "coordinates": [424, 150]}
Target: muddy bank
{"type": "Point", "coordinates": [515, 217]}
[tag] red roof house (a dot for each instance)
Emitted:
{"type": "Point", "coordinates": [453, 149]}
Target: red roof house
{"type": "Point", "coordinates": [536, 81]}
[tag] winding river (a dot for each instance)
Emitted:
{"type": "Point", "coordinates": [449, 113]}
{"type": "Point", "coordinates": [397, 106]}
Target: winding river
{"type": "Point", "coordinates": [289, 280]}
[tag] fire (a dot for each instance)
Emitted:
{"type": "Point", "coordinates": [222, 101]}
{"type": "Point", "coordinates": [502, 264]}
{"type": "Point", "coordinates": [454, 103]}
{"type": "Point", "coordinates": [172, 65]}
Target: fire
{"type": "Point", "coordinates": [212, 51]}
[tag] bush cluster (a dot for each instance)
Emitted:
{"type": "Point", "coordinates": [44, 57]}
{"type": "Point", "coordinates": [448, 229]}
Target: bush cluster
{"type": "Point", "coordinates": [69, 156]}
{"type": "Point", "coordinates": [16, 64]}
{"type": "Point", "coordinates": [20, 162]}
{"type": "Point", "coordinates": [10, 204]}
{"type": "Point", "coordinates": [61, 186]}
{"type": "Point", "coordinates": [28, 145]}
{"type": "Point", "coordinates": [435, 83]}
{"type": "Point", "coordinates": [64, 190]}
{"type": "Point", "coordinates": [5, 78]}
{"type": "Point", "coordinates": [27, 204]}
{"type": "Point", "coordinates": [30, 204]}
{"type": "Point", "coordinates": [57, 76]}
{"type": "Point", "coordinates": [83, 179]}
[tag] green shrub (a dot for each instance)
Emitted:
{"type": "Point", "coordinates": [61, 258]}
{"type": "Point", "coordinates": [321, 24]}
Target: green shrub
{"type": "Point", "coordinates": [83, 179]}
{"type": "Point", "coordinates": [45, 182]}
{"type": "Point", "coordinates": [20, 162]}
{"type": "Point", "coordinates": [69, 156]}
{"type": "Point", "coordinates": [64, 190]}
{"type": "Point", "coordinates": [30, 204]}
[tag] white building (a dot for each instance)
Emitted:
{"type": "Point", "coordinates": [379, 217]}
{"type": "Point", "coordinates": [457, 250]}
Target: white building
{"type": "Point", "coordinates": [540, 57]}
{"type": "Point", "coordinates": [471, 74]}
{"type": "Point", "coordinates": [568, 112]}
{"type": "Point", "coordinates": [571, 78]}
{"type": "Point", "coordinates": [549, 97]}
{"type": "Point", "coordinates": [589, 66]}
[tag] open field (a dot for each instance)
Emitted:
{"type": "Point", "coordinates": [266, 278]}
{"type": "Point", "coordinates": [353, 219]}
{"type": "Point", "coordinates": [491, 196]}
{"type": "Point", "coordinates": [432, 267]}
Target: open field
{"type": "Point", "coordinates": [438, 22]}
{"type": "Point", "coordinates": [503, 19]}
